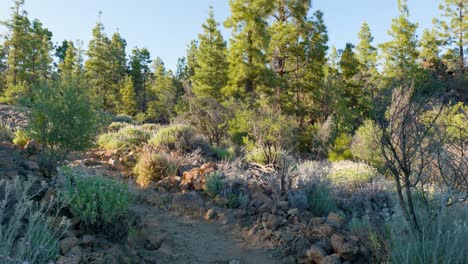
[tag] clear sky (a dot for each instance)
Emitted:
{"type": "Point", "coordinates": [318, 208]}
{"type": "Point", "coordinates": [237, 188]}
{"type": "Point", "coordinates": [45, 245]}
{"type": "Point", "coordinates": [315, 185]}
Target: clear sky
{"type": "Point", "coordinates": [165, 27]}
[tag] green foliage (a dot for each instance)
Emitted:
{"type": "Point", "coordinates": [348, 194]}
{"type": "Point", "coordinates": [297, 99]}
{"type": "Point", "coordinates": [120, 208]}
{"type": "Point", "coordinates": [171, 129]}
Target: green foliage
{"type": "Point", "coordinates": [366, 144]}
{"type": "Point", "coordinates": [179, 138]}
{"type": "Point", "coordinates": [222, 153]}
{"type": "Point", "coordinates": [116, 126]}
{"type": "Point", "coordinates": [26, 232]}
{"type": "Point", "coordinates": [153, 166]}
{"type": "Point", "coordinates": [126, 138]}
{"type": "Point", "coordinates": [259, 156]}
{"type": "Point", "coordinates": [21, 137]}
{"type": "Point", "coordinates": [443, 239]}
{"type": "Point", "coordinates": [320, 198]}
{"type": "Point", "coordinates": [213, 185]}
{"type": "Point", "coordinates": [151, 127]}
{"type": "Point", "coordinates": [5, 132]}
{"type": "Point", "coordinates": [350, 172]}
{"type": "Point", "coordinates": [100, 203]}
{"type": "Point", "coordinates": [122, 118]}
{"type": "Point", "coordinates": [341, 148]}
{"type": "Point", "coordinates": [128, 97]}
{"type": "Point", "coordinates": [62, 115]}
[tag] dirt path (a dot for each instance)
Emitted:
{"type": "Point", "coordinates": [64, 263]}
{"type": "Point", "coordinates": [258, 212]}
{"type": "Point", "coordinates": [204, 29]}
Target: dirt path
{"type": "Point", "coordinates": [188, 240]}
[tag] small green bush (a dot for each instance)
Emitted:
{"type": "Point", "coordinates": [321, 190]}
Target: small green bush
{"type": "Point", "coordinates": [213, 185]}
{"type": "Point", "coordinates": [27, 235]}
{"type": "Point", "coordinates": [152, 166]}
{"type": "Point", "coordinates": [320, 198]}
{"type": "Point", "coordinates": [21, 137]}
{"type": "Point", "coordinates": [341, 148]}
{"type": "Point", "coordinates": [102, 204]}
{"type": "Point", "coordinates": [151, 127]}
{"type": "Point", "coordinates": [351, 172]}
{"type": "Point", "coordinates": [127, 137]}
{"type": "Point", "coordinates": [5, 132]}
{"type": "Point", "coordinates": [122, 118]}
{"type": "Point", "coordinates": [179, 138]}
{"type": "Point", "coordinates": [222, 153]}
{"type": "Point", "coordinates": [366, 145]}
{"type": "Point", "coordinates": [259, 156]}
{"type": "Point", "coordinates": [116, 126]}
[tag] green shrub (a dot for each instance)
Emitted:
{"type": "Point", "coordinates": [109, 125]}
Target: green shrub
{"type": "Point", "coordinates": [122, 118]}
{"type": "Point", "coordinates": [153, 166]}
{"type": "Point", "coordinates": [366, 145]}
{"type": "Point", "coordinates": [5, 131]}
{"type": "Point", "coordinates": [102, 204]}
{"type": "Point", "coordinates": [341, 148]}
{"type": "Point", "coordinates": [151, 127]}
{"type": "Point", "coordinates": [222, 153]}
{"type": "Point", "coordinates": [127, 137]}
{"type": "Point", "coordinates": [27, 235]}
{"type": "Point", "coordinates": [116, 126]}
{"type": "Point", "coordinates": [213, 185]}
{"type": "Point", "coordinates": [62, 115]}
{"type": "Point", "coordinates": [259, 156]}
{"type": "Point", "coordinates": [443, 238]}
{"type": "Point", "coordinates": [320, 198]}
{"type": "Point", "coordinates": [179, 138]}
{"type": "Point", "coordinates": [351, 172]}
{"type": "Point", "coordinates": [21, 137]}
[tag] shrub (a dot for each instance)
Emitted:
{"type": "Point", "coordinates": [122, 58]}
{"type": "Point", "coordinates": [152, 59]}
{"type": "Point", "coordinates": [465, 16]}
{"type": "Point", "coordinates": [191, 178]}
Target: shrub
{"type": "Point", "coordinates": [213, 185]}
{"type": "Point", "coordinates": [122, 118]}
{"type": "Point", "coordinates": [63, 116]}
{"type": "Point", "coordinates": [351, 172]}
{"type": "Point", "coordinates": [366, 146]}
{"type": "Point", "coordinates": [179, 138]}
{"type": "Point", "coordinates": [27, 235]}
{"type": "Point", "coordinates": [153, 166]}
{"type": "Point", "coordinates": [126, 138]}
{"type": "Point", "coordinates": [21, 138]}
{"type": "Point", "coordinates": [259, 156]}
{"type": "Point", "coordinates": [222, 154]}
{"type": "Point", "coordinates": [443, 238]}
{"type": "Point", "coordinates": [116, 126]}
{"type": "Point", "coordinates": [100, 203]}
{"type": "Point", "coordinates": [5, 131]}
{"type": "Point", "coordinates": [341, 148]}
{"type": "Point", "coordinates": [321, 201]}
{"type": "Point", "coordinates": [151, 127]}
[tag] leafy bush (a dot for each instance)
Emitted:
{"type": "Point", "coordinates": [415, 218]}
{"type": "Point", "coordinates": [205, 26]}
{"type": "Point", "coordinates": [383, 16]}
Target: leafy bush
{"type": "Point", "coordinates": [443, 240]}
{"type": "Point", "coordinates": [351, 172]}
{"type": "Point", "coordinates": [5, 131]}
{"type": "Point", "coordinates": [179, 138]}
{"type": "Point", "coordinates": [100, 203]}
{"type": "Point", "coordinates": [213, 185]}
{"type": "Point", "coordinates": [321, 201]}
{"type": "Point", "coordinates": [26, 233]}
{"type": "Point", "coordinates": [221, 153]}
{"type": "Point", "coordinates": [122, 118]}
{"type": "Point", "coordinates": [366, 145]}
{"type": "Point", "coordinates": [116, 126]}
{"type": "Point", "coordinates": [341, 148]}
{"type": "Point", "coordinates": [151, 127]}
{"type": "Point", "coordinates": [62, 115]}
{"type": "Point", "coordinates": [259, 156]}
{"type": "Point", "coordinates": [153, 166]}
{"type": "Point", "coordinates": [127, 137]}
{"type": "Point", "coordinates": [21, 138]}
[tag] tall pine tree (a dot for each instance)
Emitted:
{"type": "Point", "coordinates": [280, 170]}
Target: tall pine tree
{"type": "Point", "coordinates": [210, 74]}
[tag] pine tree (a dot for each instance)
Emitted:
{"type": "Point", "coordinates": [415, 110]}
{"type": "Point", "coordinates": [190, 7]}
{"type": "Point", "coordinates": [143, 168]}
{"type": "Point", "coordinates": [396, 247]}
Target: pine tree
{"type": "Point", "coordinates": [117, 60]}
{"type": "Point", "coordinates": [286, 44]}
{"type": "Point", "coordinates": [366, 52]}
{"type": "Point", "coordinates": [401, 52]}
{"type": "Point", "coordinates": [69, 62]}
{"type": "Point", "coordinates": [40, 58]}
{"type": "Point", "coordinates": [162, 94]}
{"type": "Point", "coordinates": [3, 68]}
{"type": "Point", "coordinates": [247, 55]}
{"type": "Point", "coordinates": [211, 69]}
{"type": "Point", "coordinates": [453, 30]}
{"type": "Point", "coordinates": [98, 68]}
{"type": "Point", "coordinates": [430, 49]}
{"type": "Point", "coordinates": [140, 73]}
{"type": "Point", "coordinates": [128, 97]}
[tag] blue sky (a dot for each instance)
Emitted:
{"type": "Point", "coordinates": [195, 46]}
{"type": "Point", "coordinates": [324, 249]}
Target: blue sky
{"type": "Point", "coordinates": [165, 27]}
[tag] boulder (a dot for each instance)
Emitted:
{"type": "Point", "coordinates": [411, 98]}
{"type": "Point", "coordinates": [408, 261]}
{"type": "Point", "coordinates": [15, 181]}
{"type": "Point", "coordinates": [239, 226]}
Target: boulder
{"type": "Point", "coordinates": [171, 183]}
{"type": "Point", "coordinates": [316, 254]}
{"type": "Point", "coordinates": [32, 148]}
{"type": "Point", "coordinates": [346, 247]}
{"type": "Point", "coordinates": [335, 220]}
{"type": "Point", "coordinates": [274, 221]}
{"type": "Point", "coordinates": [261, 203]}
{"type": "Point", "coordinates": [68, 243]}
{"type": "Point", "coordinates": [211, 214]}
{"type": "Point", "coordinates": [332, 259]}
{"type": "Point", "coordinates": [190, 179]}
{"type": "Point", "coordinates": [48, 197]}
{"type": "Point", "coordinates": [87, 240]}
{"type": "Point", "coordinates": [208, 168]}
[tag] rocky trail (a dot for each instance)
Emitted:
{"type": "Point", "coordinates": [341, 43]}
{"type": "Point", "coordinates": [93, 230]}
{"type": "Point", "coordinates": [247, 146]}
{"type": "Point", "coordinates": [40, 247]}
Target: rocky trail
{"type": "Point", "coordinates": [186, 239]}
